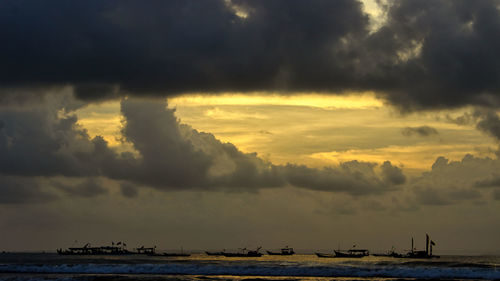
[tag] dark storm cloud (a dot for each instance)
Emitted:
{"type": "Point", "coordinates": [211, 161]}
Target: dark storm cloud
{"type": "Point", "coordinates": [423, 131]}
{"type": "Point", "coordinates": [176, 156]}
{"type": "Point", "coordinates": [428, 54]}
{"type": "Point", "coordinates": [35, 141]}
{"type": "Point", "coordinates": [43, 140]}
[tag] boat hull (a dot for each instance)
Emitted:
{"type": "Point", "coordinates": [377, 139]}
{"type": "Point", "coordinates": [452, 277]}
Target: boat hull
{"type": "Point", "coordinates": [340, 254]}
{"type": "Point", "coordinates": [321, 255]}
{"type": "Point", "coordinates": [237, 255]}
{"type": "Point", "coordinates": [279, 254]}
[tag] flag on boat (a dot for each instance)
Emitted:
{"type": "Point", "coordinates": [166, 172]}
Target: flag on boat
{"type": "Point", "coordinates": [432, 243]}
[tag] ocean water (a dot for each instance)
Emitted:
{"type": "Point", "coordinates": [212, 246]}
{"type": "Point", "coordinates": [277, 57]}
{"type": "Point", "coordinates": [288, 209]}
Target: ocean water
{"type": "Point", "coordinates": [32, 266]}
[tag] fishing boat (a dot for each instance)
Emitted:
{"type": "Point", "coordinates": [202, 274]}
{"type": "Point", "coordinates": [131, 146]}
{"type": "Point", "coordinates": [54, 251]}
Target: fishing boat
{"type": "Point", "coordinates": [244, 253]}
{"type": "Point", "coordinates": [215, 253]}
{"type": "Point", "coordinates": [352, 253]}
{"type": "Point", "coordinates": [391, 253]}
{"type": "Point", "coordinates": [322, 255]}
{"type": "Point", "coordinates": [284, 252]}
{"type": "Point", "coordinates": [427, 254]}
{"type": "Point", "coordinates": [87, 249]}
{"type": "Point", "coordinates": [150, 251]}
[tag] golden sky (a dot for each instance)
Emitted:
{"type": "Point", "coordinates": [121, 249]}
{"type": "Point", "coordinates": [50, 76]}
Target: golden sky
{"type": "Point", "coordinates": [315, 130]}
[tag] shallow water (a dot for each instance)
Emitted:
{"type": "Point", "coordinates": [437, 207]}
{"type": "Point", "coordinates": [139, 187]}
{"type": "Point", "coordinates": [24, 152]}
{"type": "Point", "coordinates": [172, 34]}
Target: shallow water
{"type": "Point", "coordinates": [25, 266]}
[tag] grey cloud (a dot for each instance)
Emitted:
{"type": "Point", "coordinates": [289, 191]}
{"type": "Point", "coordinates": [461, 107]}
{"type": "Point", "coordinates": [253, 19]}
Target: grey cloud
{"type": "Point", "coordinates": [429, 54]}
{"type": "Point", "coordinates": [88, 188]}
{"type": "Point", "coordinates": [129, 190]}
{"type": "Point", "coordinates": [465, 194]}
{"type": "Point", "coordinates": [176, 156]}
{"type": "Point", "coordinates": [355, 178]}
{"type": "Point", "coordinates": [20, 190]}
{"type": "Point", "coordinates": [493, 181]}
{"type": "Point", "coordinates": [484, 119]}
{"type": "Point", "coordinates": [423, 131]}
{"type": "Point", "coordinates": [489, 122]}
{"type": "Point", "coordinates": [496, 194]}
{"type": "Point", "coordinates": [431, 196]}
{"type": "Point", "coordinates": [392, 174]}
{"type": "Point", "coordinates": [452, 182]}
{"type": "Point", "coordinates": [170, 156]}
{"type": "Point", "coordinates": [35, 141]}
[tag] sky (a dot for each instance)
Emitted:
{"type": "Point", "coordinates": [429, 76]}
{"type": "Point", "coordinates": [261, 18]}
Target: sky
{"type": "Point", "coordinates": [214, 125]}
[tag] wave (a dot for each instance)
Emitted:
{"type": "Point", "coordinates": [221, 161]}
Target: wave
{"type": "Point", "coordinates": [253, 270]}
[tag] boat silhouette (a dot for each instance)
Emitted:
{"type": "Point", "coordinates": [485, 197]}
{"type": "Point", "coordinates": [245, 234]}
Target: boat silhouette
{"type": "Point", "coordinates": [322, 255]}
{"type": "Point", "coordinates": [87, 249]}
{"type": "Point", "coordinates": [427, 254]}
{"type": "Point", "coordinates": [391, 253]}
{"type": "Point", "coordinates": [351, 253]}
{"type": "Point", "coordinates": [284, 252]}
{"type": "Point", "coordinates": [244, 253]}
{"type": "Point", "coordinates": [215, 253]}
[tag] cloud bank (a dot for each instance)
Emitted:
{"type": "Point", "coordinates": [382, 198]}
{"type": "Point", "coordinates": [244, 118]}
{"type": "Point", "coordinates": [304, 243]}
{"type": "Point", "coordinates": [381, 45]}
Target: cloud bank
{"type": "Point", "coordinates": [44, 140]}
{"type": "Point", "coordinates": [427, 54]}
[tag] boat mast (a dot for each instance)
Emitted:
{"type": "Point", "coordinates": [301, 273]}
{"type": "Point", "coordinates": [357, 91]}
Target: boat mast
{"type": "Point", "coordinates": [427, 244]}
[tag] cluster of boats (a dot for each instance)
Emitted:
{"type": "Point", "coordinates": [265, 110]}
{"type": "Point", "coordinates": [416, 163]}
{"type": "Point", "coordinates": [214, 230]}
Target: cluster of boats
{"type": "Point", "coordinates": [253, 253]}
{"type": "Point", "coordinates": [359, 253]}
{"type": "Point", "coordinates": [120, 249]}
{"type": "Point", "coordinates": [115, 250]}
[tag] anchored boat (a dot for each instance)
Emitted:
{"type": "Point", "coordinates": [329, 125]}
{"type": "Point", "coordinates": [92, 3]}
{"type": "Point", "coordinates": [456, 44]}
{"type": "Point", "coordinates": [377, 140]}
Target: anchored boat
{"type": "Point", "coordinates": [284, 252]}
{"type": "Point", "coordinates": [244, 253]}
{"type": "Point", "coordinates": [352, 253]}
{"type": "Point", "coordinates": [427, 254]}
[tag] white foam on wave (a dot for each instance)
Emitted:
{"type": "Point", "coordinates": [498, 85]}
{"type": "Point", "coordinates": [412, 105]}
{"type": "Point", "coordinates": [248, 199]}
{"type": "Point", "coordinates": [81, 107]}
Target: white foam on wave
{"type": "Point", "coordinates": [253, 270]}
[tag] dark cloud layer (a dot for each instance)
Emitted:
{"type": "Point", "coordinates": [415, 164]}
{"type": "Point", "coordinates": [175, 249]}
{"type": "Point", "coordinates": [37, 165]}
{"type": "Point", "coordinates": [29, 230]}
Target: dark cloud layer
{"type": "Point", "coordinates": [45, 141]}
{"type": "Point", "coordinates": [428, 54]}
{"type": "Point", "coordinates": [88, 188]}
{"type": "Point", "coordinates": [18, 190]}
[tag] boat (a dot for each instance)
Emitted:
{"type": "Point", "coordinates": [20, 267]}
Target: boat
{"type": "Point", "coordinates": [87, 249]}
{"type": "Point", "coordinates": [352, 253]}
{"type": "Point", "coordinates": [284, 252]}
{"type": "Point", "coordinates": [427, 254]}
{"type": "Point", "coordinates": [215, 253]}
{"type": "Point", "coordinates": [150, 251]}
{"type": "Point", "coordinates": [244, 253]}
{"type": "Point", "coordinates": [392, 253]}
{"type": "Point", "coordinates": [322, 255]}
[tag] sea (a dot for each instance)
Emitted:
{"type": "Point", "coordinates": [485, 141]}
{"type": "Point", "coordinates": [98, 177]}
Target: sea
{"type": "Point", "coordinates": [50, 266]}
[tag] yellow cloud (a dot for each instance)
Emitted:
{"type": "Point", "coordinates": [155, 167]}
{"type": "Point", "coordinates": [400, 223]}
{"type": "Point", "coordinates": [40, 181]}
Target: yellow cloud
{"type": "Point", "coordinates": [359, 100]}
